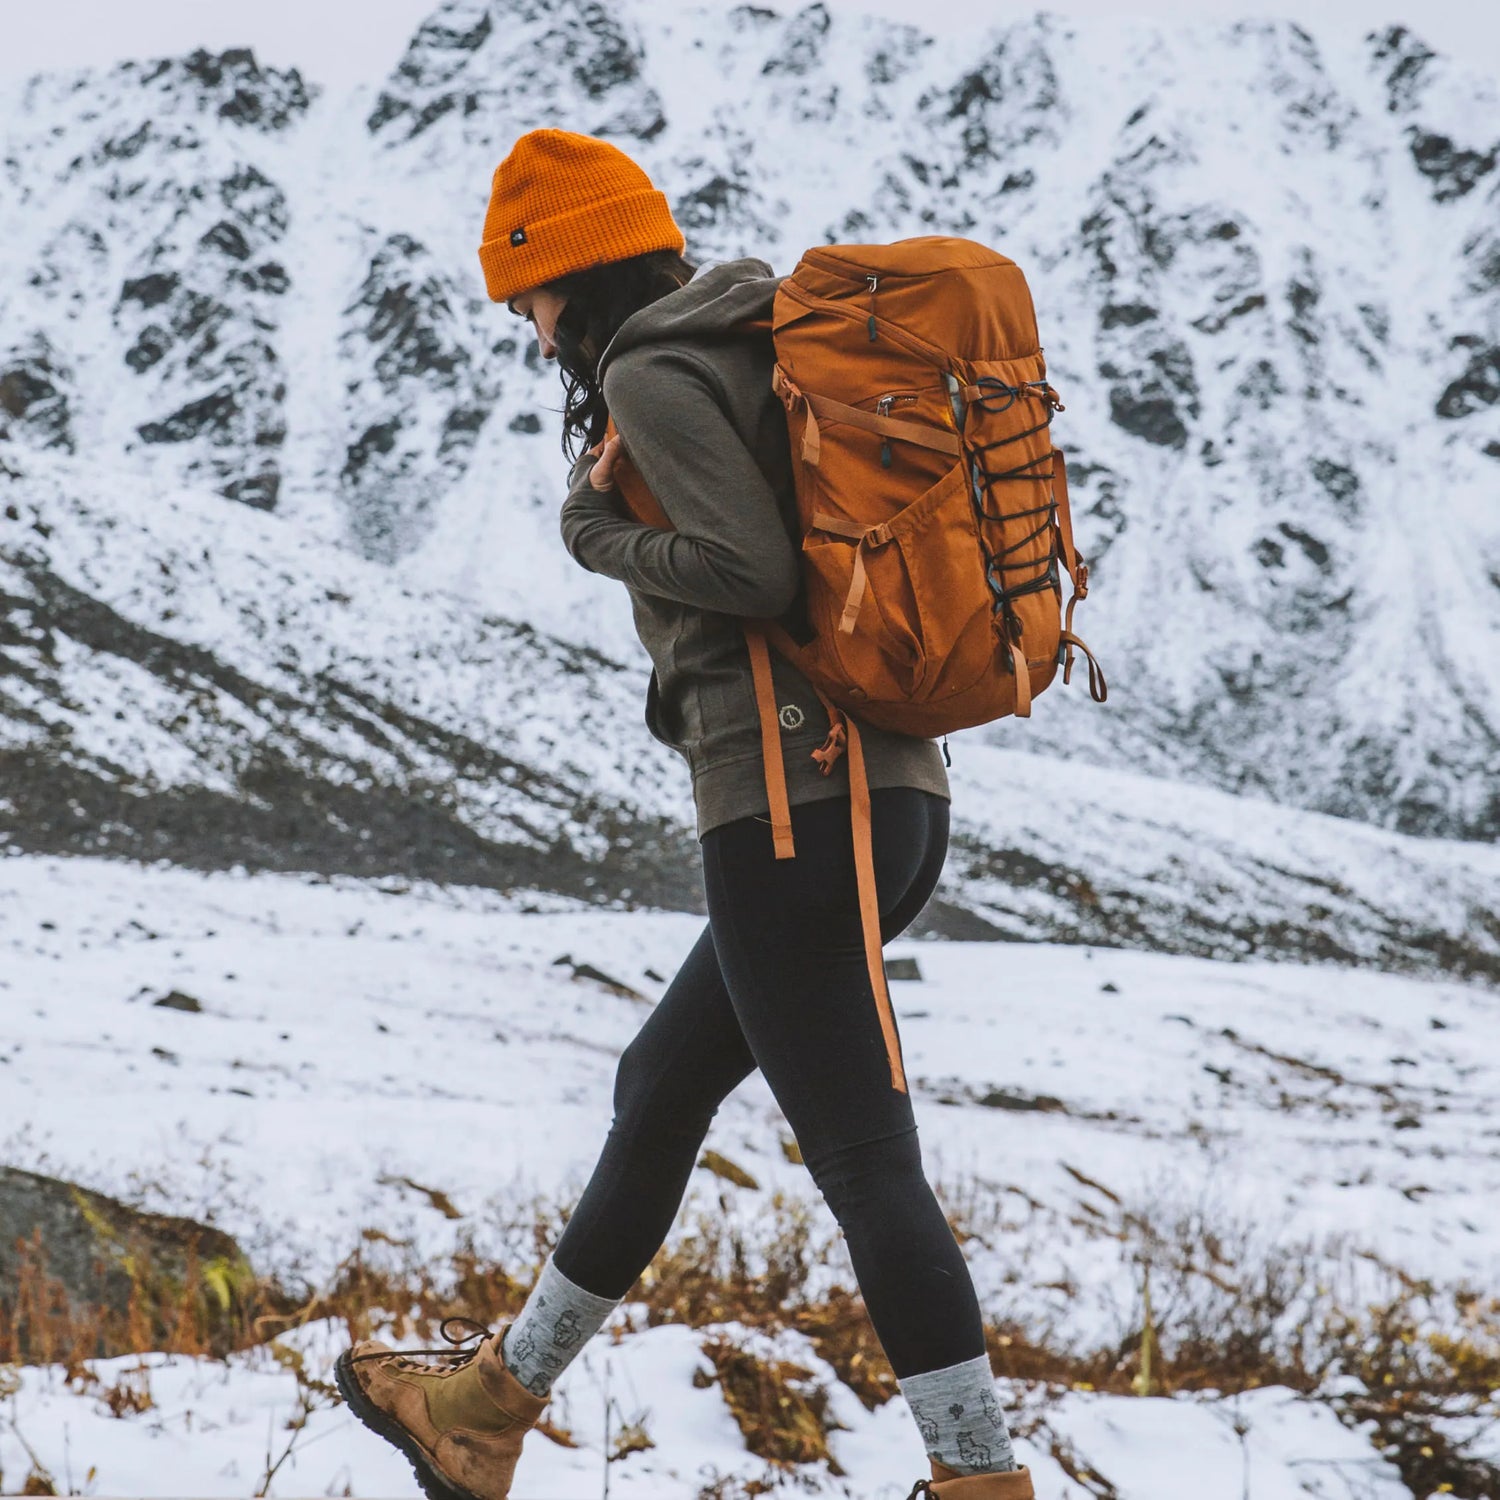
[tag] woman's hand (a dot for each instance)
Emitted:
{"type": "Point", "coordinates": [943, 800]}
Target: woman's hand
{"type": "Point", "coordinates": [601, 476]}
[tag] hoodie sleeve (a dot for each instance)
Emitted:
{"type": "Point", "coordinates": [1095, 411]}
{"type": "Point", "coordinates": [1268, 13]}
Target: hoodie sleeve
{"type": "Point", "coordinates": [730, 551]}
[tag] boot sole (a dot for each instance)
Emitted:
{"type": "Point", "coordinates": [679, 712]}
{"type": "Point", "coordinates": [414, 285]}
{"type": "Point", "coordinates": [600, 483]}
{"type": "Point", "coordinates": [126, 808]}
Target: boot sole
{"type": "Point", "coordinates": [434, 1486]}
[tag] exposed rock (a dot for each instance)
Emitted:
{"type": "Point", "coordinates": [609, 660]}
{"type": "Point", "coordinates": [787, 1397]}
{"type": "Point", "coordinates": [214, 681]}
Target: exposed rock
{"type": "Point", "coordinates": [545, 61]}
{"type": "Point", "coordinates": [413, 344]}
{"type": "Point", "coordinates": [801, 47]}
{"type": "Point", "coordinates": [35, 404]}
{"type": "Point", "coordinates": [231, 84]}
{"type": "Point", "coordinates": [1477, 388]}
{"type": "Point", "coordinates": [1405, 61]}
{"type": "Point", "coordinates": [1452, 170]}
{"type": "Point", "coordinates": [71, 1259]}
{"type": "Point", "coordinates": [176, 1000]}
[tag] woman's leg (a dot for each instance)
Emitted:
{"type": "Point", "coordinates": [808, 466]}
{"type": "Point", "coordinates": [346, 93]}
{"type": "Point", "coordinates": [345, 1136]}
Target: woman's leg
{"type": "Point", "coordinates": [789, 942]}
{"type": "Point", "coordinates": [685, 1060]}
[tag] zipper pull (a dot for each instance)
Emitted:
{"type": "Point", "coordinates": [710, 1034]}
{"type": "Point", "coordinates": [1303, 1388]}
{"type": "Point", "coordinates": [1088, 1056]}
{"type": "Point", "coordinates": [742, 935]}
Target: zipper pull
{"type": "Point", "coordinates": [883, 409]}
{"type": "Point", "coordinates": [947, 759]}
{"type": "Point", "coordinates": [874, 282]}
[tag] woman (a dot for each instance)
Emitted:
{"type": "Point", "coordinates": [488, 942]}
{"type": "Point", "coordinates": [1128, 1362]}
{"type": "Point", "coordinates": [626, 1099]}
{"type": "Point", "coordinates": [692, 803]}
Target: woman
{"type": "Point", "coordinates": [579, 243]}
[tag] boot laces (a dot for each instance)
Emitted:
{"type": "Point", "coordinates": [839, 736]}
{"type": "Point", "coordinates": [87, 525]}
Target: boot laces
{"type": "Point", "coordinates": [462, 1356]}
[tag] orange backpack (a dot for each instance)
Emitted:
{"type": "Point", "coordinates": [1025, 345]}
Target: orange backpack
{"type": "Point", "coordinates": [934, 512]}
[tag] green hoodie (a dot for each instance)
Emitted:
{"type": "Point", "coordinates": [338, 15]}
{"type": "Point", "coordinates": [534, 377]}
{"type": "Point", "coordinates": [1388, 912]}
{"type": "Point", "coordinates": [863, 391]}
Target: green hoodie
{"type": "Point", "coordinates": [697, 416]}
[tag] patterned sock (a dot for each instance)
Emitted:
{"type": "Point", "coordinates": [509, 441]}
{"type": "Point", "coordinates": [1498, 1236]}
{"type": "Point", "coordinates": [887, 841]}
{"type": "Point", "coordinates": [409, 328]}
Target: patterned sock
{"type": "Point", "coordinates": [557, 1321]}
{"type": "Point", "coordinates": [957, 1411]}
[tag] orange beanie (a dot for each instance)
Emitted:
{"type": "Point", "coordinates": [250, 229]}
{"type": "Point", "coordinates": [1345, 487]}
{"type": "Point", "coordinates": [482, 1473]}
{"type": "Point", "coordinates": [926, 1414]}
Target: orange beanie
{"type": "Point", "coordinates": [561, 202]}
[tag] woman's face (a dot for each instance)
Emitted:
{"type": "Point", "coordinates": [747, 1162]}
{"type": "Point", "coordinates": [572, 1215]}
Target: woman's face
{"type": "Point", "coordinates": [542, 309]}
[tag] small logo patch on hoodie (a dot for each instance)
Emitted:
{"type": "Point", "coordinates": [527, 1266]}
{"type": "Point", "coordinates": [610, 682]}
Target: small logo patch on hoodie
{"type": "Point", "coordinates": [791, 716]}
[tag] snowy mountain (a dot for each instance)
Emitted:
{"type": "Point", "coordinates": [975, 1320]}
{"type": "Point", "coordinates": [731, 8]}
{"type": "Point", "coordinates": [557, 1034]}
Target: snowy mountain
{"type": "Point", "coordinates": [305, 713]}
{"type": "Point", "coordinates": [282, 571]}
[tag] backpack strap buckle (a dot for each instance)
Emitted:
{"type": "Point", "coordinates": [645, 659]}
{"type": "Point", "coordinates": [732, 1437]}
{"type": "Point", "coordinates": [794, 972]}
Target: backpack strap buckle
{"type": "Point", "coordinates": [827, 754]}
{"type": "Point", "coordinates": [793, 397]}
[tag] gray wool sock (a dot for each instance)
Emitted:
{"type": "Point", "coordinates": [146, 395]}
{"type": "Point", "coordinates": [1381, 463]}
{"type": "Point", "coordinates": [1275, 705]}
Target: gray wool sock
{"type": "Point", "coordinates": [957, 1411]}
{"type": "Point", "coordinates": [558, 1320]}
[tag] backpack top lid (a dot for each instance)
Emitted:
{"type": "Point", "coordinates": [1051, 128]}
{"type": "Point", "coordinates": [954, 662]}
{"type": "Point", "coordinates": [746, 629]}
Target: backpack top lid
{"type": "Point", "coordinates": [917, 256]}
{"type": "Point", "coordinates": [954, 297]}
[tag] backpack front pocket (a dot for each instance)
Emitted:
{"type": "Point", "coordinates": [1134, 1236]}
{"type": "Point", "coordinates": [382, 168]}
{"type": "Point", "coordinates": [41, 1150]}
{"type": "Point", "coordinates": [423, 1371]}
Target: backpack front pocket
{"type": "Point", "coordinates": [880, 656]}
{"type": "Point", "coordinates": [892, 601]}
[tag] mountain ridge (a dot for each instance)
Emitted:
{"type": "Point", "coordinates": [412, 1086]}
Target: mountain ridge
{"type": "Point", "coordinates": [1272, 324]}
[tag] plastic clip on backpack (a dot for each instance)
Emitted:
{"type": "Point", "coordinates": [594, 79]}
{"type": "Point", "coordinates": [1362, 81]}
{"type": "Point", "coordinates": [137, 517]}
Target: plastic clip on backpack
{"type": "Point", "coordinates": [933, 507]}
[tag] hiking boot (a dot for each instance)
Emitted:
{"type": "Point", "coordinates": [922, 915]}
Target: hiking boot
{"type": "Point", "coordinates": [461, 1426]}
{"type": "Point", "coordinates": [949, 1484]}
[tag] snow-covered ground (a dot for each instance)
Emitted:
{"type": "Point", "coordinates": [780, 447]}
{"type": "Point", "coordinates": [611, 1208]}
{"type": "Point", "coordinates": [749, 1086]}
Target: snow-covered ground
{"type": "Point", "coordinates": [215, 1431]}
{"type": "Point", "coordinates": [353, 1036]}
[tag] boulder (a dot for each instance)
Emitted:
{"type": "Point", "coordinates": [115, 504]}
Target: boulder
{"type": "Point", "coordinates": [84, 1276]}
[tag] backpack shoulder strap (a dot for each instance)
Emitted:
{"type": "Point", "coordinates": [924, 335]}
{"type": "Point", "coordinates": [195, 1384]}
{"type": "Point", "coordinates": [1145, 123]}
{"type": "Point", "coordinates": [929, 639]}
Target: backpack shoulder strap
{"type": "Point", "coordinates": [639, 500]}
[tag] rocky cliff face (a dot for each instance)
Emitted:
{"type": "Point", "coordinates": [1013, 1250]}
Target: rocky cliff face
{"type": "Point", "coordinates": [144, 298]}
{"type": "Point", "coordinates": [1267, 270]}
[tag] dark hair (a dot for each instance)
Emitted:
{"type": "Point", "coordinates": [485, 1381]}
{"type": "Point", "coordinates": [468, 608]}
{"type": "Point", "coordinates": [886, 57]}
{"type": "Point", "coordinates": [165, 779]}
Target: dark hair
{"type": "Point", "coordinates": [600, 298]}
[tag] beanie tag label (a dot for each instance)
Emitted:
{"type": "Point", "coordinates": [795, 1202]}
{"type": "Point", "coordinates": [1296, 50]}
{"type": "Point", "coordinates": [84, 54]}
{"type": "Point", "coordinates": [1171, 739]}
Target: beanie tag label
{"type": "Point", "coordinates": [518, 236]}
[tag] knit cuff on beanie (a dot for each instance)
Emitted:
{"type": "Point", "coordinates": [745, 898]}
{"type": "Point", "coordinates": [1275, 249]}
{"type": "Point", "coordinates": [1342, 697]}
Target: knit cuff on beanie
{"type": "Point", "coordinates": [529, 255]}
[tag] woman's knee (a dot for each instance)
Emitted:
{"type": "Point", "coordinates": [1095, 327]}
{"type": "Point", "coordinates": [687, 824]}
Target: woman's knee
{"type": "Point", "coordinates": [655, 1095]}
{"type": "Point", "coordinates": [640, 1079]}
{"type": "Point", "coordinates": [868, 1176]}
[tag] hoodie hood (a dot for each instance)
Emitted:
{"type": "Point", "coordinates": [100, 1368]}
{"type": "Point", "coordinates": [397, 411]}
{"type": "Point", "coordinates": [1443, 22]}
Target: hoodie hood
{"type": "Point", "coordinates": [711, 303]}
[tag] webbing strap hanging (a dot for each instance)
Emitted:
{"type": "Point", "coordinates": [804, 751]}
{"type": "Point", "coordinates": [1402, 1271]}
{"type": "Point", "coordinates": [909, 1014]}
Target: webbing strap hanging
{"type": "Point", "coordinates": [1065, 522]}
{"type": "Point", "coordinates": [1078, 571]}
{"type": "Point", "coordinates": [792, 398]}
{"type": "Point", "coordinates": [770, 744]}
{"type": "Point", "coordinates": [1019, 666]}
{"type": "Point", "coordinates": [1098, 687]}
{"type": "Point", "coordinates": [869, 901]}
{"type": "Point", "coordinates": [862, 537]}
{"type": "Point", "coordinates": [843, 736]}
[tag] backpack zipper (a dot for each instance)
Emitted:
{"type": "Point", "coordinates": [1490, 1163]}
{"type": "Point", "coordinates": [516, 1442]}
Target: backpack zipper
{"type": "Point", "coordinates": [883, 409]}
{"type": "Point", "coordinates": [928, 353]}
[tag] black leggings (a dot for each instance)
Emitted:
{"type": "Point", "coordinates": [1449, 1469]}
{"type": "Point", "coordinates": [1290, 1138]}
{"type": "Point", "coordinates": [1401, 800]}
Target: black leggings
{"type": "Point", "coordinates": [778, 981]}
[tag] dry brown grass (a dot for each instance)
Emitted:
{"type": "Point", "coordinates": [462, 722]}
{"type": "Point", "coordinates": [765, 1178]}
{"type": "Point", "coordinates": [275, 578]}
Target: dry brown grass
{"type": "Point", "coordinates": [210, 1309]}
{"type": "Point", "coordinates": [777, 1404]}
{"type": "Point", "coordinates": [1229, 1314]}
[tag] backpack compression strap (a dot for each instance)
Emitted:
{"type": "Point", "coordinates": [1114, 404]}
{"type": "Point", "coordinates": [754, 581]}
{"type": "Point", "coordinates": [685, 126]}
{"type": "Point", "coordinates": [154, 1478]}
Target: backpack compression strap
{"type": "Point", "coordinates": [924, 435]}
{"type": "Point", "coordinates": [862, 537]}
